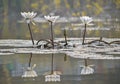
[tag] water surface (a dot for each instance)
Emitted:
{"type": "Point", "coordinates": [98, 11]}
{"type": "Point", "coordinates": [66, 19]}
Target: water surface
{"type": "Point", "coordinates": [12, 67]}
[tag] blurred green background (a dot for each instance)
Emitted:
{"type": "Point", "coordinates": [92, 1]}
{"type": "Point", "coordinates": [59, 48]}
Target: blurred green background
{"type": "Point", "coordinates": [10, 10]}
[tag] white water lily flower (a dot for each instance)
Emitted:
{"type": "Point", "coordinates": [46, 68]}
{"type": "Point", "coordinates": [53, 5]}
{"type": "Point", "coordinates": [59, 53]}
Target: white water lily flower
{"type": "Point", "coordinates": [28, 16]}
{"type": "Point", "coordinates": [86, 19]}
{"type": "Point", "coordinates": [87, 70]}
{"type": "Point", "coordinates": [30, 72]}
{"type": "Point", "coordinates": [51, 18]}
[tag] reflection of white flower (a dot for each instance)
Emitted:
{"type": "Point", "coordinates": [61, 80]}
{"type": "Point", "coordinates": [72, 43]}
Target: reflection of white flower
{"type": "Point", "coordinates": [86, 19]}
{"type": "Point", "coordinates": [87, 70]}
{"type": "Point", "coordinates": [53, 77]}
{"type": "Point", "coordinates": [28, 16]}
{"type": "Point", "coordinates": [30, 72]}
{"type": "Point", "coordinates": [51, 18]}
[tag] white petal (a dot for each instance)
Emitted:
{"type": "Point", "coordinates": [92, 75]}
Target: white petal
{"type": "Point", "coordinates": [34, 14]}
{"type": "Point", "coordinates": [22, 13]}
{"type": "Point", "coordinates": [86, 19]}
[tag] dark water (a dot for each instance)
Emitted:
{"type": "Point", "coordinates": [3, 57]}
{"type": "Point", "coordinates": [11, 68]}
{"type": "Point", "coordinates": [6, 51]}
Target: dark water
{"type": "Point", "coordinates": [12, 67]}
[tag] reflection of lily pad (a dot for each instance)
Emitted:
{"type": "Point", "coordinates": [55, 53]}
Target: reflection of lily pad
{"type": "Point", "coordinates": [90, 55]}
{"type": "Point", "coordinates": [115, 53]}
{"type": "Point", "coordinates": [16, 43]}
{"type": "Point", "coordinates": [6, 53]}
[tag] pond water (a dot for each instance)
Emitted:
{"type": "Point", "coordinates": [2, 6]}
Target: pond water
{"type": "Point", "coordinates": [14, 60]}
{"type": "Point", "coordinates": [13, 66]}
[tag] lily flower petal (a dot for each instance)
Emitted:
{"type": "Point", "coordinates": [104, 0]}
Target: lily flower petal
{"type": "Point", "coordinates": [86, 19]}
{"type": "Point", "coordinates": [51, 18]}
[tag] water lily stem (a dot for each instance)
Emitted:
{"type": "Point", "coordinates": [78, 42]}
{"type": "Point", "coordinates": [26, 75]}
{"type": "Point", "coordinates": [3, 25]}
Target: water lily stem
{"type": "Point", "coordinates": [65, 35]}
{"type": "Point", "coordinates": [65, 57]}
{"type": "Point", "coordinates": [86, 64]}
{"type": "Point", "coordinates": [30, 60]}
{"type": "Point", "coordinates": [31, 34]}
{"type": "Point", "coordinates": [52, 64]}
{"type": "Point", "coordinates": [52, 40]}
{"type": "Point", "coordinates": [84, 34]}
{"type": "Point", "coordinates": [52, 37]}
